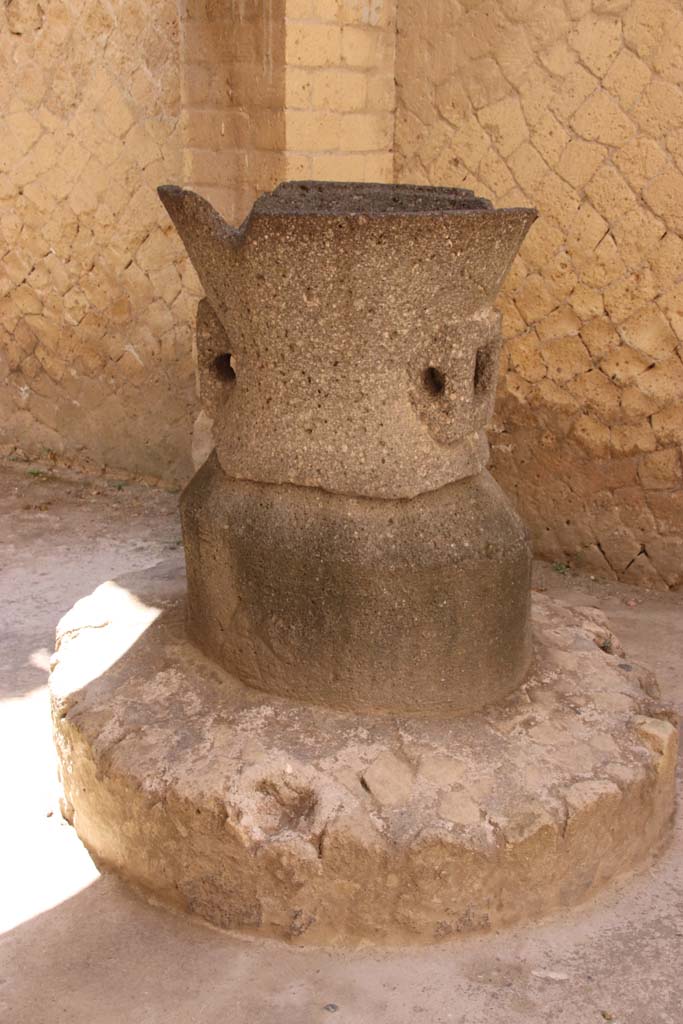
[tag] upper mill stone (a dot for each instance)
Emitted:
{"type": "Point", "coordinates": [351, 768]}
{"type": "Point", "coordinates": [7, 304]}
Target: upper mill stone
{"type": "Point", "coordinates": [353, 345]}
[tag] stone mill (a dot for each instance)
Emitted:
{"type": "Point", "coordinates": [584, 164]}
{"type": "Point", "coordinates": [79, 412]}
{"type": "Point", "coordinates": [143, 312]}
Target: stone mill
{"type": "Point", "coordinates": [346, 545]}
{"type": "Point", "coordinates": [349, 724]}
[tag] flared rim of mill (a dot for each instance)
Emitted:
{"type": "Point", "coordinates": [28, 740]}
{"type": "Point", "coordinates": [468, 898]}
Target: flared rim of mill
{"type": "Point", "coordinates": [313, 202]}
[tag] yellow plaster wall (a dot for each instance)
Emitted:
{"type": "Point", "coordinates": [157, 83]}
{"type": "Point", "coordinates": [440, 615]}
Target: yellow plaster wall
{"type": "Point", "coordinates": [575, 107]}
{"type": "Point", "coordinates": [96, 297]}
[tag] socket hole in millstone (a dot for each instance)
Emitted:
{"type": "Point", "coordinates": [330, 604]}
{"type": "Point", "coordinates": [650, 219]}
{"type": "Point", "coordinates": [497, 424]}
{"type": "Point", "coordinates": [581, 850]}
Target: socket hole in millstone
{"type": "Point", "coordinates": [222, 368]}
{"type": "Point", "coordinates": [434, 381]}
{"type": "Point", "coordinates": [482, 370]}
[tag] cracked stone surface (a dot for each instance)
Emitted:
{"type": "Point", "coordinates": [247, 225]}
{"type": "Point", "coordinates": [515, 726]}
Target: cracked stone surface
{"type": "Point", "coordinates": [327, 827]}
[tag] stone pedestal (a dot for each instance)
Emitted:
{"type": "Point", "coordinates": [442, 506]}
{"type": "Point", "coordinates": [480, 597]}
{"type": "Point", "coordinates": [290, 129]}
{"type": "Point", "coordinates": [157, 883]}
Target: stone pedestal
{"type": "Point", "coordinates": [322, 826]}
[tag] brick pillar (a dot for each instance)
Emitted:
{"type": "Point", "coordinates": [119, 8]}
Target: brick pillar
{"type": "Point", "coordinates": [339, 89]}
{"type": "Point", "coordinates": [233, 72]}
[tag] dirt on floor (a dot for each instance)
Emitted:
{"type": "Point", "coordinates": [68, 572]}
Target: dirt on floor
{"type": "Point", "coordinates": [78, 947]}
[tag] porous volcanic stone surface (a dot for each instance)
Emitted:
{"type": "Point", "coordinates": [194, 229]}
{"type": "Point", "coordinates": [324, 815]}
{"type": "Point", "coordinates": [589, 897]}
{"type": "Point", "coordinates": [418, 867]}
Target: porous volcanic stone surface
{"type": "Point", "coordinates": [361, 341]}
{"type": "Point", "coordinates": [329, 827]}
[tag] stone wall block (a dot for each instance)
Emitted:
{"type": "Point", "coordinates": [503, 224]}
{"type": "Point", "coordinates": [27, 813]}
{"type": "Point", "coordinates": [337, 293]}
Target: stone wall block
{"type": "Point", "coordinates": [587, 119]}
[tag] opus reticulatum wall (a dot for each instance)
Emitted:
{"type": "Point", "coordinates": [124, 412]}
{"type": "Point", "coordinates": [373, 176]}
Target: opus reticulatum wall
{"type": "Point", "coordinates": [572, 106]}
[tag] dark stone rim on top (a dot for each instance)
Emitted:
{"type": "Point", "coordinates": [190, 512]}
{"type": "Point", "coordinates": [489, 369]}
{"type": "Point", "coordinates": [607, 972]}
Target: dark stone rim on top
{"type": "Point", "coordinates": [336, 198]}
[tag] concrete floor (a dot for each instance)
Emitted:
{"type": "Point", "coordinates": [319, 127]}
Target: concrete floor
{"type": "Point", "coordinates": [80, 948]}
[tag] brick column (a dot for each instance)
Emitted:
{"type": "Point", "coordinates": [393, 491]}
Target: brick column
{"type": "Point", "coordinates": [233, 69]}
{"type": "Point", "coordinates": [339, 89]}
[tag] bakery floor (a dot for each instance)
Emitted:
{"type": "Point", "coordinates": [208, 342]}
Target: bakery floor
{"type": "Point", "coordinates": [79, 947]}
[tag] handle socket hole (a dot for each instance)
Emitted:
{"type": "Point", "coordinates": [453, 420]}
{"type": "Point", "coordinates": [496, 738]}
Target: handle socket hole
{"type": "Point", "coordinates": [222, 368]}
{"type": "Point", "coordinates": [434, 381]}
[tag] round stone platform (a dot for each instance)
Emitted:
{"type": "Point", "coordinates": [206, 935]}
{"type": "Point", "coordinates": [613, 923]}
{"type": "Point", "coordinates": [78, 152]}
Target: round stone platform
{"type": "Point", "coordinates": [328, 827]}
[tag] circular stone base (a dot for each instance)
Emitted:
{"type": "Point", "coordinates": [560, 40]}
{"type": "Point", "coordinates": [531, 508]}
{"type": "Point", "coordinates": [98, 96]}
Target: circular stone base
{"type": "Point", "coordinates": [324, 826]}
